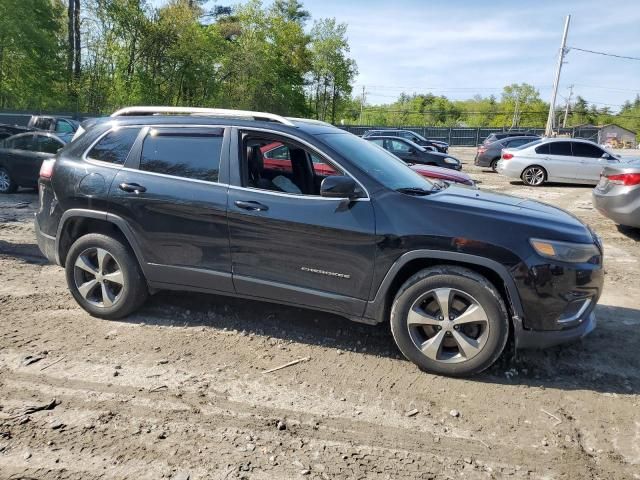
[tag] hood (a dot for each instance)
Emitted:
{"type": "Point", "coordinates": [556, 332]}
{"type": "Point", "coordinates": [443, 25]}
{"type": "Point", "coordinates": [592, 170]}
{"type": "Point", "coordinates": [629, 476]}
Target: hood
{"type": "Point", "coordinates": [528, 216]}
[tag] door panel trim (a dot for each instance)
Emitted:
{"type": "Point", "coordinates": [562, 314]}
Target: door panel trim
{"type": "Point", "coordinates": [304, 297]}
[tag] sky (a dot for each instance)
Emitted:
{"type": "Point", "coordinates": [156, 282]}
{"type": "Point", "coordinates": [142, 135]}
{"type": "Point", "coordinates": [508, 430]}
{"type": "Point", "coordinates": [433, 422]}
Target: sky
{"type": "Point", "coordinates": [459, 48]}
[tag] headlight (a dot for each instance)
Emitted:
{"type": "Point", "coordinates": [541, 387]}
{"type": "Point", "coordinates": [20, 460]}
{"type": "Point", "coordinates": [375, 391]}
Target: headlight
{"type": "Point", "coordinates": [451, 160]}
{"type": "Point", "coordinates": [565, 251]}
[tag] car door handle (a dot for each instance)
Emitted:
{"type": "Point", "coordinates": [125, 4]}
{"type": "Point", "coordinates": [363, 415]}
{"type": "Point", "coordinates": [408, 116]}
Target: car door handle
{"type": "Point", "coordinates": [251, 206]}
{"type": "Point", "coordinates": [132, 188]}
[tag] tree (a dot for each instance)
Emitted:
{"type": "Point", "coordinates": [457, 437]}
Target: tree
{"type": "Point", "coordinates": [332, 71]}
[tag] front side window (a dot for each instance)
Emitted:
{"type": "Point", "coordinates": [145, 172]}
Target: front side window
{"type": "Point", "coordinates": [586, 150]}
{"type": "Point", "coordinates": [278, 165]}
{"type": "Point", "coordinates": [185, 152]}
{"type": "Point", "coordinates": [383, 166]}
{"type": "Point", "coordinates": [64, 127]}
{"type": "Point", "coordinates": [398, 146]}
{"type": "Point", "coordinates": [47, 144]}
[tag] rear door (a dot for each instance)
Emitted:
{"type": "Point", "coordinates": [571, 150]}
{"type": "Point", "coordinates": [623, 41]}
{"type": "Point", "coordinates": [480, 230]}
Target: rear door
{"type": "Point", "coordinates": [173, 195]}
{"type": "Point", "coordinates": [592, 161]}
{"type": "Point", "coordinates": [561, 164]}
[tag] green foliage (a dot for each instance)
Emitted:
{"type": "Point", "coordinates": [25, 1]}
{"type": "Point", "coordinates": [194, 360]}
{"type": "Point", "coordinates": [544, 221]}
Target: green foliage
{"type": "Point", "coordinates": [250, 57]}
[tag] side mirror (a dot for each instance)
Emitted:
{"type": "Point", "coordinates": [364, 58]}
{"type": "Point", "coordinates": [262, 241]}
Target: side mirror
{"type": "Point", "coordinates": [339, 186]}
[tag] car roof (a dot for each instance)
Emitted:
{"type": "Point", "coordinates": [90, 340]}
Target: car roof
{"type": "Point", "coordinates": [308, 126]}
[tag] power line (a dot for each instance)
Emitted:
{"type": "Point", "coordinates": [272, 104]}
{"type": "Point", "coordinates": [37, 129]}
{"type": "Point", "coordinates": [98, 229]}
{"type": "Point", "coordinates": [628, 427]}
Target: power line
{"type": "Point", "coordinates": [605, 54]}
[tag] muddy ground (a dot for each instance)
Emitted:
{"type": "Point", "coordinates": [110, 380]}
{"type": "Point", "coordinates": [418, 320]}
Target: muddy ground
{"type": "Point", "coordinates": [178, 390]}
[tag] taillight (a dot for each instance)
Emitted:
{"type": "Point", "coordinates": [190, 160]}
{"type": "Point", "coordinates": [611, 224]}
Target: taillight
{"type": "Point", "coordinates": [507, 156]}
{"type": "Point", "coordinates": [46, 169]}
{"type": "Point", "coordinates": [627, 179]}
{"type": "Point", "coordinates": [482, 149]}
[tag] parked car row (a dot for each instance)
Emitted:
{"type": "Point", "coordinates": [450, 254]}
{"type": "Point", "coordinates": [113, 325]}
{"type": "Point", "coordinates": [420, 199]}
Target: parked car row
{"type": "Point", "coordinates": [537, 161]}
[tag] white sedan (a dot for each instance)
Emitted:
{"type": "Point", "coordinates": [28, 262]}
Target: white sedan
{"type": "Point", "coordinates": [564, 160]}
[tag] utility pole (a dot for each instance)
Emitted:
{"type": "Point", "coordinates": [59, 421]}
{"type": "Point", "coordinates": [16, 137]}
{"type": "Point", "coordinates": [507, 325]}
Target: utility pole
{"type": "Point", "coordinates": [516, 113]}
{"type": "Point", "coordinates": [362, 104]}
{"type": "Point", "coordinates": [566, 109]}
{"type": "Point", "coordinates": [563, 50]}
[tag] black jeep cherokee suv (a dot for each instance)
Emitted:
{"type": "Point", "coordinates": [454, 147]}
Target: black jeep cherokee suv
{"type": "Point", "coordinates": [141, 203]}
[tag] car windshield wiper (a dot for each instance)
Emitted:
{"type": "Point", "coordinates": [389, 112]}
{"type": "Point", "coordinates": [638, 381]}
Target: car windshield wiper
{"type": "Point", "coordinates": [417, 190]}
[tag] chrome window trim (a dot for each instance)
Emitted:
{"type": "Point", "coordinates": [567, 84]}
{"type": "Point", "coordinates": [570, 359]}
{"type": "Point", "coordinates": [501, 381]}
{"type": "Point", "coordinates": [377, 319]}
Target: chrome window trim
{"type": "Point", "coordinates": [85, 156]}
{"type": "Point", "coordinates": [322, 154]}
{"type": "Point", "coordinates": [295, 195]}
{"type": "Point", "coordinates": [138, 170]}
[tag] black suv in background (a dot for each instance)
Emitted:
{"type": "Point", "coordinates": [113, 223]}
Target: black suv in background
{"type": "Point", "coordinates": [439, 146]}
{"type": "Point", "coordinates": [144, 202]}
{"type": "Point", "coordinates": [412, 153]}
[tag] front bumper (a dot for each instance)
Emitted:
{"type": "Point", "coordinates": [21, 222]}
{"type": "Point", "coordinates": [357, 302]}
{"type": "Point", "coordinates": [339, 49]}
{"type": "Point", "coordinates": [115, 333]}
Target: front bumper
{"type": "Point", "coordinates": [538, 339]}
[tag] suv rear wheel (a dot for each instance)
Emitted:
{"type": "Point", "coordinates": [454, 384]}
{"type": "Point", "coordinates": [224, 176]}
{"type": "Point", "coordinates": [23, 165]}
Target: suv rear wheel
{"type": "Point", "coordinates": [450, 320]}
{"type": "Point", "coordinates": [104, 276]}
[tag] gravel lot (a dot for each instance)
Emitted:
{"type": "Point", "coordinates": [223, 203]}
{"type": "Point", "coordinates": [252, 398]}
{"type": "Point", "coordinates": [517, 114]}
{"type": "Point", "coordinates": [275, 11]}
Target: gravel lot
{"type": "Point", "coordinates": [178, 390]}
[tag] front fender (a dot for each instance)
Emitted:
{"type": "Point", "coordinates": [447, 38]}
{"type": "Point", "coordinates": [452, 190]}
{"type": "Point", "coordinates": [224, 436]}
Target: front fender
{"type": "Point", "coordinates": [376, 308]}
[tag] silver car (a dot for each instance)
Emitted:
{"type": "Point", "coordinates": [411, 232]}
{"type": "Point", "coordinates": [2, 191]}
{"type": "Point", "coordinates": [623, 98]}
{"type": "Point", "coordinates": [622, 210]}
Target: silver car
{"type": "Point", "coordinates": [617, 195]}
{"type": "Point", "coordinates": [564, 160]}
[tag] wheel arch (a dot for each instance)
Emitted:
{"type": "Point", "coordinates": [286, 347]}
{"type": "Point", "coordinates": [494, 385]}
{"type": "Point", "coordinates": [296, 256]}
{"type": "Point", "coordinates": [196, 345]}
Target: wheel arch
{"type": "Point", "coordinates": [78, 222]}
{"type": "Point", "coordinates": [412, 262]}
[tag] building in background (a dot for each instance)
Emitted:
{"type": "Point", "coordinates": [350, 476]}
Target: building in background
{"type": "Point", "coordinates": [616, 136]}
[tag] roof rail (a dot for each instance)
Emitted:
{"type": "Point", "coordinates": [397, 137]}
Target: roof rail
{"type": "Point", "coordinates": [213, 112]}
{"type": "Point", "coordinates": [310, 120]}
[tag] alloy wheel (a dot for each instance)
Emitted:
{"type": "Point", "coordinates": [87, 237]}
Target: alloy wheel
{"type": "Point", "coordinates": [5, 181]}
{"type": "Point", "coordinates": [448, 325]}
{"type": "Point", "coordinates": [533, 176]}
{"type": "Point", "coordinates": [98, 277]}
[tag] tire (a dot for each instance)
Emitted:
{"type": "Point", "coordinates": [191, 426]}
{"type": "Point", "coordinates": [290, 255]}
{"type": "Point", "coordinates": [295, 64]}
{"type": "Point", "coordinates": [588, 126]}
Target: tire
{"type": "Point", "coordinates": [7, 184]}
{"type": "Point", "coordinates": [494, 164]}
{"type": "Point", "coordinates": [534, 176]}
{"type": "Point", "coordinates": [108, 270]}
{"type": "Point", "coordinates": [442, 346]}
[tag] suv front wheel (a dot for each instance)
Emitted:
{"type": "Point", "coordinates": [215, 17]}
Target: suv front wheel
{"type": "Point", "coordinates": [104, 277]}
{"type": "Point", "coordinates": [450, 320]}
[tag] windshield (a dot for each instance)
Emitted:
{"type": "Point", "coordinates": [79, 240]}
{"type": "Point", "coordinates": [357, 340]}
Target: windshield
{"type": "Point", "coordinates": [385, 167]}
{"type": "Point", "coordinates": [419, 136]}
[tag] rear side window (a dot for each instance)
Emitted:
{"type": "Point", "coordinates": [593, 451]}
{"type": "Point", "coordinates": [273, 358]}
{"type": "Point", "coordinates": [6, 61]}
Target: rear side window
{"type": "Point", "coordinates": [586, 150]}
{"type": "Point", "coordinates": [560, 148]}
{"type": "Point", "coordinates": [114, 146]}
{"type": "Point", "coordinates": [543, 149]}
{"type": "Point", "coordinates": [22, 142]}
{"type": "Point", "coordinates": [188, 152]}
{"type": "Point", "coordinates": [44, 123]}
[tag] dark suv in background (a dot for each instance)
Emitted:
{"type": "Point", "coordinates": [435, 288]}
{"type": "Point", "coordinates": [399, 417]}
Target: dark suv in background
{"type": "Point", "coordinates": [149, 201]}
{"type": "Point", "coordinates": [439, 146]}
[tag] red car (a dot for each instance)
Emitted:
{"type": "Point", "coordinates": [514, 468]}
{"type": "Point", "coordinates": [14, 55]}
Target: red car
{"type": "Point", "coordinates": [276, 157]}
{"type": "Point", "coordinates": [443, 174]}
